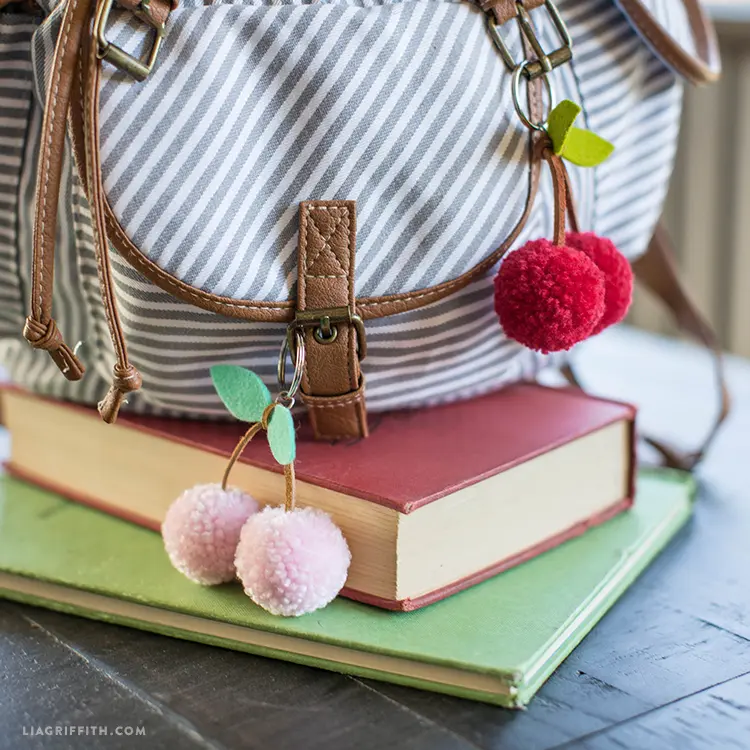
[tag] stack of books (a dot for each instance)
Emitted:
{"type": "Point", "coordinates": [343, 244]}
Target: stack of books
{"type": "Point", "coordinates": [467, 519]}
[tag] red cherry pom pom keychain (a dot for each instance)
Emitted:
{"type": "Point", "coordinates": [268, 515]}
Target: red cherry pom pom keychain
{"type": "Point", "coordinates": [551, 295]}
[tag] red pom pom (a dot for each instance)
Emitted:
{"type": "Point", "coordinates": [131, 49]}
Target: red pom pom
{"type": "Point", "coordinates": [548, 297]}
{"type": "Point", "coordinates": [618, 276]}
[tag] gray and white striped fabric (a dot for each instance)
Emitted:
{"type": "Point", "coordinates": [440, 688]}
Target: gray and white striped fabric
{"type": "Point", "coordinates": [402, 106]}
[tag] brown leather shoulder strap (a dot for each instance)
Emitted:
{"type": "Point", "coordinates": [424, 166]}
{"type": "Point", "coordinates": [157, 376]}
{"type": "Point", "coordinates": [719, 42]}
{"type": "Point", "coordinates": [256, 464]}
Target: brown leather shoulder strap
{"type": "Point", "coordinates": [332, 384]}
{"type": "Point", "coordinates": [702, 67]}
{"type": "Point", "coordinates": [657, 270]}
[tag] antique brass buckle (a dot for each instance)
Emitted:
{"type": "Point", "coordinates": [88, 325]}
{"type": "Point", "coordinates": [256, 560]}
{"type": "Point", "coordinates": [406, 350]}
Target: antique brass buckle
{"type": "Point", "coordinates": [325, 325]}
{"type": "Point", "coordinates": [113, 54]}
{"type": "Point", "coordinates": [545, 62]}
{"type": "Point", "coordinates": [325, 330]}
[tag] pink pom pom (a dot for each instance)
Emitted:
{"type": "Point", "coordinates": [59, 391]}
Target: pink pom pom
{"type": "Point", "coordinates": [549, 297]}
{"type": "Point", "coordinates": [201, 531]}
{"type": "Point", "coordinates": [618, 275]}
{"type": "Point", "coordinates": [292, 563]}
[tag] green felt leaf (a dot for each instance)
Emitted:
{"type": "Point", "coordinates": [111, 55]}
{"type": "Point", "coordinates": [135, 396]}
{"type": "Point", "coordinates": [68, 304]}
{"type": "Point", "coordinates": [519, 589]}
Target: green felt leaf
{"type": "Point", "coordinates": [242, 391]}
{"type": "Point", "coordinates": [586, 149]}
{"type": "Point", "coordinates": [560, 121]}
{"type": "Point", "coordinates": [281, 436]}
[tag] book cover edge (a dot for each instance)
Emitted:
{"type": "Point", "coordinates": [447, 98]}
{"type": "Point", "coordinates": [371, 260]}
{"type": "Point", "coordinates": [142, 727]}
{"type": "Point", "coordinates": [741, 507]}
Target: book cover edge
{"type": "Point", "coordinates": [394, 605]}
{"type": "Point", "coordinates": [535, 673]}
{"type": "Point", "coordinates": [133, 422]}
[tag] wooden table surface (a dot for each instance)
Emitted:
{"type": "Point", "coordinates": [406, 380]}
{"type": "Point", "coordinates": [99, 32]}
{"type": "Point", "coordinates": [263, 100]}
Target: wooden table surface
{"type": "Point", "coordinates": [668, 667]}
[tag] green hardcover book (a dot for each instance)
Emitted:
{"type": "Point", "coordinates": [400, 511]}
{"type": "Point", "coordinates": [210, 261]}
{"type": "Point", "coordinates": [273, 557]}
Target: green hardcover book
{"type": "Point", "coordinates": [496, 642]}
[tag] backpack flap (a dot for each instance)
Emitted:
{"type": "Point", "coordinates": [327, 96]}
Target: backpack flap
{"type": "Point", "coordinates": [679, 33]}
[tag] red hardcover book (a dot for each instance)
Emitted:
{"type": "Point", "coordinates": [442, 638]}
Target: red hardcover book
{"type": "Point", "coordinates": [432, 502]}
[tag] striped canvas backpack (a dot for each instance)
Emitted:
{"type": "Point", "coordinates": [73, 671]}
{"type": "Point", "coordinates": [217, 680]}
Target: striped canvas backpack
{"type": "Point", "coordinates": [213, 183]}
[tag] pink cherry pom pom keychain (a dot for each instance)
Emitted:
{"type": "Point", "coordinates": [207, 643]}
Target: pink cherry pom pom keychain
{"type": "Point", "coordinates": [202, 529]}
{"type": "Point", "coordinates": [290, 561]}
{"type": "Point", "coordinates": [550, 295]}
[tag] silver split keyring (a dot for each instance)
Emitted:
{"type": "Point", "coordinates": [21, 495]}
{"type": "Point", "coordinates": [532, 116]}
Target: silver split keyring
{"type": "Point", "coordinates": [286, 396]}
{"type": "Point", "coordinates": [525, 119]}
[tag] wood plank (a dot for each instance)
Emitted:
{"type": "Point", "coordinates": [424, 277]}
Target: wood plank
{"type": "Point", "coordinates": [715, 718]}
{"type": "Point", "coordinates": [238, 700]}
{"type": "Point", "coordinates": [46, 683]}
{"type": "Point", "coordinates": [644, 654]}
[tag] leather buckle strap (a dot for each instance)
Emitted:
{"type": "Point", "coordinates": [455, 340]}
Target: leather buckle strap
{"type": "Point", "coordinates": [326, 318]}
{"type": "Point", "coordinates": [545, 61]}
{"type": "Point", "coordinates": [324, 324]}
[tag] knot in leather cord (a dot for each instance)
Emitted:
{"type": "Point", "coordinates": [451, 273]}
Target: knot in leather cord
{"type": "Point", "coordinates": [126, 379]}
{"type": "Point", "coordinates": [48, 337]}
{"type": "Point", "coordinates": [41, 336]}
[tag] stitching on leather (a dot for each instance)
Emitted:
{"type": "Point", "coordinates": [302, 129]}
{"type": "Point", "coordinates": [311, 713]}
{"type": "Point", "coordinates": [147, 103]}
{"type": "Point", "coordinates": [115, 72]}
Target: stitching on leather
{"type": "Point", "coordinates": [338, 402]}
{"type": "Point", "coordinates": [342, 405]}
{"type": "Point", "coordinates": [170, 281]}
{"type": "Point", "coordinates": [45, 185]}
{"type": "Point", "coordinates": [341, 215]}
{"type": "Point", "coordinates": [326, 240]}
{"type": "Point", "coordinates": [351, 355]}
{"type": "Point", "coordinates": [467, 278]}
{"type": "Point", "coordinates": [96, 228]}
{"type": "Point", "coordinates": [147, 267]}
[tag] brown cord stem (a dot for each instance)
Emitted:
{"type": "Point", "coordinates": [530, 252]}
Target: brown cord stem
{"type": "Point", "coordinates": [290, 483]}
{"type": "Point", "coordinates": [237, 452]}
{"type": "Point", "coordinates": [560, 190]}
{"type": "Point", "coordinates": [290, 486]}
{"type": "Point", "coordinates": [573, 223]}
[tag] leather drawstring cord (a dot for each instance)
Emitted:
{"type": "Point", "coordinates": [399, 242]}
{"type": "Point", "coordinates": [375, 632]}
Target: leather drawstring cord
{"type": "Point", "coordinates": [126, 377]}
{"type": "Point", "coordinates": [41, 330]}
{"type": "Point", "coordinates": [560, 188]}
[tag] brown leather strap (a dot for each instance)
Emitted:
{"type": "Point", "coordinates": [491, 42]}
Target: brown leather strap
{"type": "Point", "coordinates": [75, 60]}
{"type": "Point", "coordinates": [504, 10]}
{"type": "Point", "coordinates": [703, 68]}
{"type": "Point", "coordinates": [657, 270]}
{"type": "Point", "coordinates": [41, 330]}
{"type": "Point", "coordinates": [159, 9]}
{"type": "Point", "coordinates": [332, 384]}
{"type": "Point", "coordinates": [560, 190]}
{"type": "Point", "coordinates": [126, 377]}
